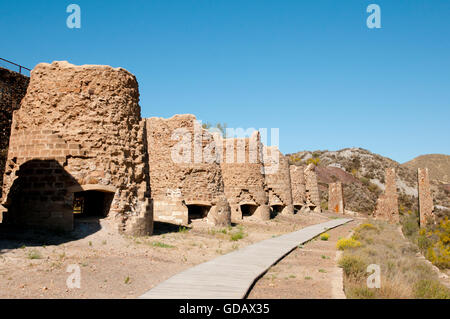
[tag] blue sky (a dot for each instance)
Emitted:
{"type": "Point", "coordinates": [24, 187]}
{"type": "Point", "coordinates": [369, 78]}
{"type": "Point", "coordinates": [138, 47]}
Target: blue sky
{"type": "Point", "coordinates": [311, 68]}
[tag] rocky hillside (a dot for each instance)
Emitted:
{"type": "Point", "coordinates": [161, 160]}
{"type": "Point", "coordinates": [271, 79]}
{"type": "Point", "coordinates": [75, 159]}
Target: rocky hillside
{"type": "Point", "coordinates": [362, 174]}
{"type": "Point", "coordinates": [438, 166]}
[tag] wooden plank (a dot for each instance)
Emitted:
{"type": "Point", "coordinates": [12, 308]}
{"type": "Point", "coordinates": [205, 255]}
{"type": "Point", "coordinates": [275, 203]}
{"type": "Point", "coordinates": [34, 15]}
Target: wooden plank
{"type": "Point", "coordinates": [230, 276]}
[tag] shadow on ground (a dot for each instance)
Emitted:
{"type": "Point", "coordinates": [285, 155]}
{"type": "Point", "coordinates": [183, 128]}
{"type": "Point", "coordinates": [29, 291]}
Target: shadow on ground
{"type": "Point", "coordinates": [161, 228]}
{"type": "Point", "coordinates": [12, 237]}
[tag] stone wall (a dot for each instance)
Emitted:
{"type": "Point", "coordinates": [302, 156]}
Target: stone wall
{"type": "Point", "coordinates": [278, 180]}
{"type": "Point", "coordinates": [312, 189]}
{"type": "Point", "coordinates": [78, 129]}
{"type": "Point", "coordinates": [425, 198]}
{"type": "Point", "coordinates": [387, 203]}
{"type": "Point", "coordinates": [335, 197]}
{"type": "Point", "coordinates": [242, 170]}
{"type": "Point", "coordinates": [185, 173]}
{"type": "Point", "coordinates": [13, 87]}
{"type": "Point", "coordinates": [298, 186]}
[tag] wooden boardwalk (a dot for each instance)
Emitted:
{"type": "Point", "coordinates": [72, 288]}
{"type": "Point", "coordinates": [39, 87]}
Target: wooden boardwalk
{"type": "Point", "coordinates": [230, 276]}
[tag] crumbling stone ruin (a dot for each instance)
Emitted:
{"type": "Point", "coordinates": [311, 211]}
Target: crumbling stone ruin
{"type": "Point", "coordinates": [243, 177]}
{"type": "Point", "coordinates": [387, 203]}
{"type": "Point", "coordinates": [278, 180]}
{"type": "Point", "coordinates": [78, 145]}
{"type": "Point", "coordinates": [13, 87]}
{"type": "Point", "coordinates": [425, 198]}
{"type": "Point", "coordinates": [312, 189]}
{"type": "Point", "coordinates": [336, 198]}
{"type": "Point", "coordinates": [185, 173]}
{"type": "Point", "coordinates": [298, 186]}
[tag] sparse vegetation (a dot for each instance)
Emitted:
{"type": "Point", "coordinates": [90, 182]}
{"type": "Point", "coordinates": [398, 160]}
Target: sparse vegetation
{"type": "Point", "coordinates": [34, 254]}
{"type": "Point", "coordinates": [433, 240]}
{"type": "Point", "coordinates": [237, 235]}
{"type": "Point", "coordinates": [221, 127]}
{"type": "Point", "coordinates": [183, 229]}
{"type": "Point", "coordinates": [403, 275]}
{"type": "Point", "coordinates": [324, 236]}
{"type": "Point", "coordinates": [161, 245]}
{"type": "Point", "coordinates": [345, 243]}
{"type": "Point", "coordinates": [294, 159]}
{"type": "Point", "coordinates": [313, 160]}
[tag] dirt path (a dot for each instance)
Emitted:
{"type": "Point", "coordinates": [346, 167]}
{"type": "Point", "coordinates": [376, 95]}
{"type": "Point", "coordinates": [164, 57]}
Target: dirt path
{"type": "Point", "coordinates": [113, 266]}
{"type": "Point", "coordinates": [308, 272]}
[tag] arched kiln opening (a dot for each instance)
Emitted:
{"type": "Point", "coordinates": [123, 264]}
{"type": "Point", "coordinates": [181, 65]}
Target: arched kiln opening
{"type": "Point", "coordinates": [197, 211]}
{"type": "Point", "coordinates": [276, 209]}
{"type": "Point", "coordinates": [248, 209]}
{"type": "Point", "coordinates": [297, 208]}
{"type": "Point", "coordinates": [92, 203]}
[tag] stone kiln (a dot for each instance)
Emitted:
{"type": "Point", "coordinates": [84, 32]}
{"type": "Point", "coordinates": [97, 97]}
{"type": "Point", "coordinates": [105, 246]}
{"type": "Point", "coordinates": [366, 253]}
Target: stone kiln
{"type": "Point", "coordinates": [185, 174]}
{"type": "Point", "coordinates": [312, 188]}
{"type": "Point", "coordinates": [387, 203]}
{"type": "Point", "coordinates": [278, 180]}
{"type": "Point", "coordinates": [298, 186]}
{"type": "Point", "coordinates": [243, 176]}
{"type": "Point", "coordinates": [78, 138]}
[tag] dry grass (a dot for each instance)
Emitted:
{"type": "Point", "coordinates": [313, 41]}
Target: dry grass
{"type": "Point", "coordinates": [403, 275]}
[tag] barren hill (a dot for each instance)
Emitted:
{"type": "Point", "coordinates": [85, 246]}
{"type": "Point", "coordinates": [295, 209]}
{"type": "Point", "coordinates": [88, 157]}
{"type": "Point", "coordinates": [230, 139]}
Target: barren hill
{"type": "Point", "coordinates": [438, 166]}
{"type": "Point", "coordinates": [362, 174]}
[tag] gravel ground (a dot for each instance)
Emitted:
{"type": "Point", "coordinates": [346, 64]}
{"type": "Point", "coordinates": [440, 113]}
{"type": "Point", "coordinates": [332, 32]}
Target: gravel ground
{"type": "Point", "coordinates": [34, 264]}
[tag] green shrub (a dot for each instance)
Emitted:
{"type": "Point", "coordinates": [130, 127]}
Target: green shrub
{"type": "Point", "coordinates": [324, 236]}
{"type": "Point", "coordinates": [161, 245]}
{"type": "Point", "coordinates": [236, 236]}
{"type": "Point", "coordinates": [315, 161]}
{"type": "Point", "coordinates": [345, 243]}
{"type": "Point", "coordinates": [431, 289]}
{"type": "Point", "coordinates": [360, 292]}
{"type": "Point", "coordinates": [353, 266]}
{"type": "Point", "coordinates": [34, 254]}
{"type": "Point", "coordinates": [183, 229]}
{"type": "Point", "coordinates": [410, 225]}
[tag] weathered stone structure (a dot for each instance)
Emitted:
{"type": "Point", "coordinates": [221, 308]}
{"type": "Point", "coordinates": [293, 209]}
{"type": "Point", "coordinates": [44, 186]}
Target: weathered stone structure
{"type": "Point", "coordinates": [13, 87]}
{"type": "Point", "coordinates": [387, 203]}
{"type": "Point", "coordinates": [298, 186]}
{"type": "Point", "coordinates": [78, 140]}
{"type": "Point", "coordinates": [312, 189]}
{"type": "Point", "coordinates": [425, 198]}
{"type": "Point", "coordinates": [278, 180]}
{"type": "Point", "coordinates": [243, 176]}
{"type": "Point", "coordinates": [336, 198]}
{"type": "Point", "coordinates": [185, 173]}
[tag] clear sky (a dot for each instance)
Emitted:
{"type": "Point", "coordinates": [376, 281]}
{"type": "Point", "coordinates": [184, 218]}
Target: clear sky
{"type": "Point", "coordinates": [311, 68]}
